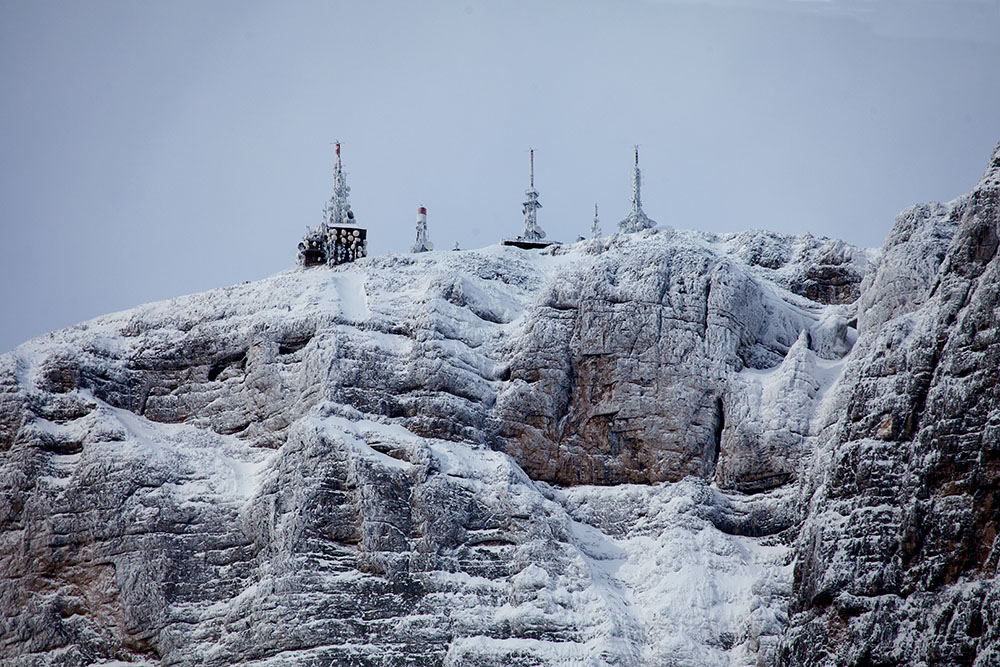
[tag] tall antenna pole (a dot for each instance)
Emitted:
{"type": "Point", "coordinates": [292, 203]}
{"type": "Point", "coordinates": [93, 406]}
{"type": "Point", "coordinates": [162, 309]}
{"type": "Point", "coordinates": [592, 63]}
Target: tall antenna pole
{"type": "Point", "coordinates": [339, 209]}
{"type": "Point", "coordinates": [532, 232]}
{"type": "Point", "coordinates": [636, 220]}
{"type": "Point", "coordinates": [636, 184]}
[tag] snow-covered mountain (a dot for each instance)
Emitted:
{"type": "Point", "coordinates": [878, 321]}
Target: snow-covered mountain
{"type": "Point", "coordinates": [663, 448]}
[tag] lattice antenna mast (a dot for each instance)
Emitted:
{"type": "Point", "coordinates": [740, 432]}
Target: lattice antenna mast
{"type": "Point", "coordinates": [595, 229]}
{"type": "Point", "coordinates": [532, 232]}
{"type": "Point", "coordinates": [338, 211]}
{"type": "Point", "coordinates": [636, 220]}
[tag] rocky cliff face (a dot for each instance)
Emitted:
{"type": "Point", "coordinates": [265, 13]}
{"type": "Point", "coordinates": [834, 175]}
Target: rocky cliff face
{"type": "Point", "coordinates": [663, 448]}
{"type": "Point", "coordinates": [897, 560]}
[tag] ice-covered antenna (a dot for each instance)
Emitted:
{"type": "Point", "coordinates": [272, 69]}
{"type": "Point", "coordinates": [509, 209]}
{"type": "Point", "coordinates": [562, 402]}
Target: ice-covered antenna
{"type": "Point", "coordinates": [636, 182]}
{"type": "Point", "coordinates": [421, 244]}
{"type": "Point", "coordinates": [337, 167]}
{"type": "Point", "coordinates": [636, 220]}
{"type": "Point", "coordinates": [595, 229]}
{"type": "Point", "coordinates": [532, 232]}
{"type": "Point", "coordinates": [339, 208]}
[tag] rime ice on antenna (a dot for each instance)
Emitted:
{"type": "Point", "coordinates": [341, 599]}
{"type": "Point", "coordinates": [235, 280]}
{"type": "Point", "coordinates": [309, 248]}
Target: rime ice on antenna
{"type": "Point", "coordinates": [595, 229]}
{"type": "Point", "coordinates": [532, 236]}
{"type": "Point", "coordinates": [338, 210]}
{"type": "Point", "coordinates": [338, 239]}
{"type": "Point", "coordinates": [532, 232]}
{"type": "Point", "coordinates": [636, 220]}
{"type": "Point", "coordinates": [422, 244]}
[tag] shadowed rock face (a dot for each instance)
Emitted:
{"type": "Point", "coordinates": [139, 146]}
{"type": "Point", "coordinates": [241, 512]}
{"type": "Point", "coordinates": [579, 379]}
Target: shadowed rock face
{"type": "Point", "coordinates": [665, 448]}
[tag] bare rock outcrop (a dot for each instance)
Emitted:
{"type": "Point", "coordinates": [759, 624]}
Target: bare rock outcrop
{"type": "Point", "coordinates": [628, 364]}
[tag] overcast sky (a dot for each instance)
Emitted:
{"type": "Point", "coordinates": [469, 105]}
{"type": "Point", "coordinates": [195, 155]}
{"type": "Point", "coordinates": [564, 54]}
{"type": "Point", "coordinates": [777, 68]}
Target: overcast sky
{"type": "Point", "coordinates": [155, 149]}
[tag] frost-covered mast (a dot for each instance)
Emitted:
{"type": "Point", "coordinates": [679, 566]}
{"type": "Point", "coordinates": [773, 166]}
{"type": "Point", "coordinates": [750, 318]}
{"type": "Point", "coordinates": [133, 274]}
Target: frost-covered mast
{"type": "Point", "coordinates": [338, 239]}
{"type": "Point", "coordinates": [422, 244]}
{"type": "Point", "coordinates": [532, 237]}
{"type": "Point", "coordinates": [532, 232]}
{"type": "Point", "coordinates": [338, 211]}
{"type": "Point", "coordinates": [636, 220]}
{"type": "Point", "coordinates": [595, 229]}
{"type": "Point", "coordinates": [344, 241]}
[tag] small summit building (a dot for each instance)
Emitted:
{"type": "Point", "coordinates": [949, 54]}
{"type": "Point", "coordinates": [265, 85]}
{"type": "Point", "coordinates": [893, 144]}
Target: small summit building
{"type": "Point", "coordinates": [338, 239]}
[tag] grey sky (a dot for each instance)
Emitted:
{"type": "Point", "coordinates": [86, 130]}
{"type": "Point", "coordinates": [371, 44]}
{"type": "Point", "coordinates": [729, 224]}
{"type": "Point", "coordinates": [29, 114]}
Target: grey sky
{"type": "Point", "coordinates": [154, 149]}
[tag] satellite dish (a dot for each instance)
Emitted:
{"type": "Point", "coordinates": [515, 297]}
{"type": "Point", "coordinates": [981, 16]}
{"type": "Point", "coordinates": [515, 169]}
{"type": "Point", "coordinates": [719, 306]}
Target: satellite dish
{"type": "Point", "coordinates": [429, 245]}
